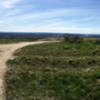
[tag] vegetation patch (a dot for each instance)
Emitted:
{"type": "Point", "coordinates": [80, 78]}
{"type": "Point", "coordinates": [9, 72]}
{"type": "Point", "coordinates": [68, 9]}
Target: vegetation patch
{"type": "Point", "coordinates": [55, 71]}
{"type": "Point", "coordinates": [7, 41]}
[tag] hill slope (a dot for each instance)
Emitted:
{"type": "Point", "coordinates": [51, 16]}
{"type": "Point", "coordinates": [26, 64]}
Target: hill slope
{"type": "Point", "coordinates": [55, 71]}
{"type": "Point", "coordinates": [6, 52]}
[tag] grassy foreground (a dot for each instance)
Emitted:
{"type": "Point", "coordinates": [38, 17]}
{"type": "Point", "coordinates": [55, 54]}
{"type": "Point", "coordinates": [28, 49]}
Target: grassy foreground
{"type": "Point", "coordinates": [55, 71]}
{"type": "Point", "coordinates": [7, 41]}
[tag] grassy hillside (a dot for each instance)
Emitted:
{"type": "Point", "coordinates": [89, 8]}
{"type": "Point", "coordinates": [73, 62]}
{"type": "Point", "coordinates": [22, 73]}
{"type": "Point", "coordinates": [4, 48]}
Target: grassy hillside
{"type": "Point", "coordinates": [55, 71]}
{"type": "Point", "coordinates": [6, 41]}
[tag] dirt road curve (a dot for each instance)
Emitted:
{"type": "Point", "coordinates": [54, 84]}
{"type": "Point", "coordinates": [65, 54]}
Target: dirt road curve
{"type": "Point", "coordinates": [6, 52]}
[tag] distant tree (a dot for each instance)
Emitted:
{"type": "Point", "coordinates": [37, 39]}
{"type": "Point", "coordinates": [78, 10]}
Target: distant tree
{"type": "Point", "coordinates": [97, 41]}
{"type": "Point", "coordinates": [73, 39]}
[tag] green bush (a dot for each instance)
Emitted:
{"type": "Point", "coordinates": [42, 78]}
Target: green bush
{"type": "Point", "coordinates": [97, 41]}
{"type": "Point", "coordinates": [73, 39]}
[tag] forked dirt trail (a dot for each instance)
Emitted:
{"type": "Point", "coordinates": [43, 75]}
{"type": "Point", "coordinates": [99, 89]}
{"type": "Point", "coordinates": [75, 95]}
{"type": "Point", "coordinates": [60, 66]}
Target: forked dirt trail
{"type": "Point", "coordinates": [6, 52]}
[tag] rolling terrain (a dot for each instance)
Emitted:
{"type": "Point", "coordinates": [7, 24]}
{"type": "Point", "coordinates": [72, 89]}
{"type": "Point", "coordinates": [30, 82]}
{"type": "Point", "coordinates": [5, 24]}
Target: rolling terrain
{"type": "Point", "coordinates": [6, 53]}
{"type": "Point", "coordinates": [66, 70]}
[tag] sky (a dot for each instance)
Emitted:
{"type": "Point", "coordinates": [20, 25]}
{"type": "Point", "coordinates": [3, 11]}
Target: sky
{"type": "Point", "coordinates": [74, 16]}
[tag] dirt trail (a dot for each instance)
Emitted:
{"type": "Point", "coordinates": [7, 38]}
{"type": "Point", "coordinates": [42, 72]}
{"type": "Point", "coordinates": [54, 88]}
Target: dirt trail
{"type": "Point", "coordinates": [6, 52]}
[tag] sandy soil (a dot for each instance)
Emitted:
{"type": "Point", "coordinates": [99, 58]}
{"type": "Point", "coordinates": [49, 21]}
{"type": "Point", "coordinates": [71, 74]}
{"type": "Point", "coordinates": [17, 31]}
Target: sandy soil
{"type": "Point", "coordinates": [6, 53]}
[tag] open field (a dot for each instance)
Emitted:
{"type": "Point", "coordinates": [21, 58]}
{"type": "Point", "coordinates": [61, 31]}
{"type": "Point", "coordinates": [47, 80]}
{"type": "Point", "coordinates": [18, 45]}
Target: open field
{"type": "Point", "coordinates": [6, 52]}
{"type": "Point", "coordinates": [55, 71]}
{"type": "Point", "coordinates": [7, 41]}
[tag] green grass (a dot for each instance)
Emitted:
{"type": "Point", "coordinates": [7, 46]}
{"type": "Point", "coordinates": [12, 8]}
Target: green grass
{"type": "Point", "coordinates": [7, 41]}
{"type": "Point", "coordinates": [55, 71]}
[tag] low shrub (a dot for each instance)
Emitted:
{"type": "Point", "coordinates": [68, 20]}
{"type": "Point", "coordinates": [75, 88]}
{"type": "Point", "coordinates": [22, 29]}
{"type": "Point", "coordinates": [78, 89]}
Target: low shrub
{"type": "Point", "coordinates": [97, 41]}
{"type": "Point", "coordinates": [73, 39]}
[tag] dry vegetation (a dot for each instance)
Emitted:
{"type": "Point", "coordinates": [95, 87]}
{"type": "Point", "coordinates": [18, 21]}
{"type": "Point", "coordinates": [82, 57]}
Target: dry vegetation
{"type": "Point", "coordinates": [69, 70]}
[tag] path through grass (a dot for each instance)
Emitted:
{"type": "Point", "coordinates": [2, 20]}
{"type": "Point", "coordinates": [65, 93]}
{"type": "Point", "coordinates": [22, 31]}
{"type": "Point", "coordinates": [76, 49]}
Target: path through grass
{"type": "Point", "coordinates": [55, 71]}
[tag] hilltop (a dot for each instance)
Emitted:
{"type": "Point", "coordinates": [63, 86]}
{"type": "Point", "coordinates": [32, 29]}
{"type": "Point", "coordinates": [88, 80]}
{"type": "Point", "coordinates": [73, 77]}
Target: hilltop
{"type": "Point", "coordinates": [55, 71]}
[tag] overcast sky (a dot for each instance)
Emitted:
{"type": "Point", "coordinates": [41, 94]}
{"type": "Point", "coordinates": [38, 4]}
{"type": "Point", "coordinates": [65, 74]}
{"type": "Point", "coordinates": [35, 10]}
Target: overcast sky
{"type": "Point", "coordinates": [78, 16]}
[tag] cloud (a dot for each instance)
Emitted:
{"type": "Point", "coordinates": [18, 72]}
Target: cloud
{"type": "Point", "coordinates": [9, 3]}
{"type": "Point", "coordinates": [52, 29]}
{"type": "Point", "coordinates": [47, 15]}
{"type": "Point", "coordinates": [55, 20]}
{"type": "Point", "coordinates": [31, 15]}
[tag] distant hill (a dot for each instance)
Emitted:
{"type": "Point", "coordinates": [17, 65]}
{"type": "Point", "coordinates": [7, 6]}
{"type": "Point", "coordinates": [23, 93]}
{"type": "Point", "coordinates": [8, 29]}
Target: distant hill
{"type": "Point", "coordinates": [40, 35]}
{"type": "Point", "coordinates": [84, 34]}
{"type": "Point", "coordinates": [28, 35]}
